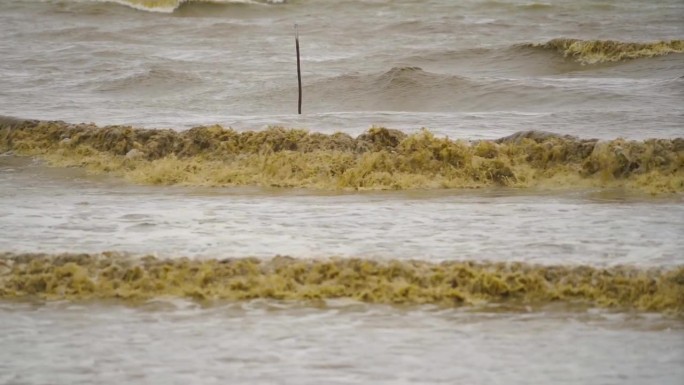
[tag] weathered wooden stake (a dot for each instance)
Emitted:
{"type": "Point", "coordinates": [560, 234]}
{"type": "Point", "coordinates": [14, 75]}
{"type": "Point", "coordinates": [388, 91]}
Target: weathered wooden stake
{"type": "Point", "coordinates": [299, 70]}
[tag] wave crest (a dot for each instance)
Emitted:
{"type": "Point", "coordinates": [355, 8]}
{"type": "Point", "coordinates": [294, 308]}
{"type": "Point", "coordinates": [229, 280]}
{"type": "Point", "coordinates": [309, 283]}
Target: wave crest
{"type": "Point", "coordinates": [398, 89]}
{"type": "Point", "coordinates": [399, 78]}
{"type": "Point", "coordinates": [378, 159]}
{"type": "Point", "coordinates": [169, 6]}
{"type": "Point", "coordinates": [455, 283]}
{"type": "Point", "coordinates": [606, 51]}
{"type": "Point", "coordinates": [155, 79]}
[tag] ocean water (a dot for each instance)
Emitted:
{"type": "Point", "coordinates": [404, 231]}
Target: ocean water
{"type": "Point", "coordinates": [471, 70]}
{"type": "Point", "coordinates": [459, 68]}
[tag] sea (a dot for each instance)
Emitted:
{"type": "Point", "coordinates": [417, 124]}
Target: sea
{"type": "Point", "coordinates": [471, 71]}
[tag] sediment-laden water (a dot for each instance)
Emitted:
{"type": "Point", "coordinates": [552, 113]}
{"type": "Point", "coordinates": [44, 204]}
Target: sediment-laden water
{"type": "Point", "coordinates": [476, 192]}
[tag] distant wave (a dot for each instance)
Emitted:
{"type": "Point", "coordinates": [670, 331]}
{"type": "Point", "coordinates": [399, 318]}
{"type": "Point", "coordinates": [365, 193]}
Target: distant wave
{"type": "Point", "coordinates": [400, 77]}
{"type": "Point", "coordinates": [154, 79]}
{"type": "Point", "coordinates": [400, 80]}
{"type": "Point", "coordinates": [407, 88]}
{"type": "Point", "coordinates": [606, 51]}
{"type": "Point", "coordinates": [168, 6]}
{"type": "Point", "coordinates": [575, 53]}
{"type": "Point", "coordinates": [532, 6]}
{"type": "Point", "coordinates": [557, 56]}
{"type": "Point", "coordinates": [397, 88]}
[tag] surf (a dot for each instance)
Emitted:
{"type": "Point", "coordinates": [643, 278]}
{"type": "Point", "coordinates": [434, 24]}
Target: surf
{"type": "Point", "coordinates": [589, 52]}
{"type": "Point", "coordinates": [171, 6]}
{"type": "Point", "coordinates": [379, 159]}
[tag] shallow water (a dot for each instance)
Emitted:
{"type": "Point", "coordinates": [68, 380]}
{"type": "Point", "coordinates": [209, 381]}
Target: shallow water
{"type": "Point", "coordinates": [87, 214]}
{"type": "Point", "coordinates": [175, 342]}
{"type": "Point", "coordinates": [464, 69]}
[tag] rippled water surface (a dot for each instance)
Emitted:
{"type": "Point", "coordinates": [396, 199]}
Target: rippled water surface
{"type": "Point", "coordinates": [457, 68]}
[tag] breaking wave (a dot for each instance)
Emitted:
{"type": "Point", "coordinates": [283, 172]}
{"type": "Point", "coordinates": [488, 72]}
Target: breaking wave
{"type": "Point", "coordinates": [607, 51]}
{"type": "Point", "coordinates": [114, 276]}
{"type": "Point", "coordinates": [169, 6]}
{"type": "Point", "coordinates": [378, 159]}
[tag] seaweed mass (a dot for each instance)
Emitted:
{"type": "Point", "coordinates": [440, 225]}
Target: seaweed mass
{"type": "Point", "coordinates": [606, 51]}
{"type": "Point", "coordinates": [377, 159]}
{"type": "Point", "coordinates": [453, 283]}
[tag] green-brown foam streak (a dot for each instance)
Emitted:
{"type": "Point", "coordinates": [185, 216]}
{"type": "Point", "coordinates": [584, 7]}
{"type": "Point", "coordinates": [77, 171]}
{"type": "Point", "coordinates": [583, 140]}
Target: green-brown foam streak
{"type": "Point", "coordinates": [378, 159]}
{"type": "Point", "coordinates": [604, 51]}
{"type": "Point", "coordinates": [112, 276]}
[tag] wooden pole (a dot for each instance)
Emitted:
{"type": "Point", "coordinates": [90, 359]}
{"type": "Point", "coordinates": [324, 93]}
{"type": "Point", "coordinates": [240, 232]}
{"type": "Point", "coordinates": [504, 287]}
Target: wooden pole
{"type": "Point", "coordinates": [299, 69]}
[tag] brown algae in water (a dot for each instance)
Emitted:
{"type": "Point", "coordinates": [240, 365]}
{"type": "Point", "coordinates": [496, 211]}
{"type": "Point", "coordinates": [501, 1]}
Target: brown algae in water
{"type": "Point", "coordinates": [114, 276]}
{"type": "Point", "coordinates": [605, 51]}
{"type": "Point", "coordinates": [378, 159]}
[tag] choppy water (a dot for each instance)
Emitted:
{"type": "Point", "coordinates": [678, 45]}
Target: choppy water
{"type": "Point", "coordinates": [466, 69]}
{"type": "Point", "coordinates": [233, 63]}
